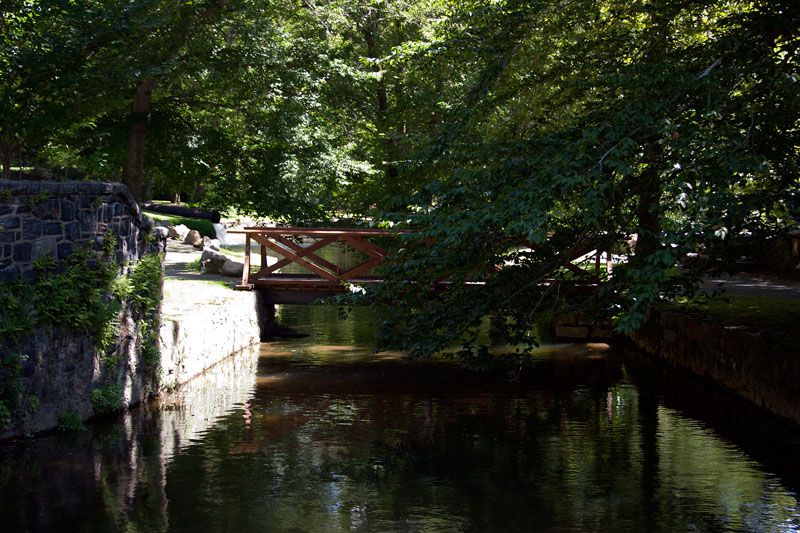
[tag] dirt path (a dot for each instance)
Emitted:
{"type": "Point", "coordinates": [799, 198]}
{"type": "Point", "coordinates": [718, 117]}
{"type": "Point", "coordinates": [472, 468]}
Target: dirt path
{"type": "Point", "coordinates": [754, 285]}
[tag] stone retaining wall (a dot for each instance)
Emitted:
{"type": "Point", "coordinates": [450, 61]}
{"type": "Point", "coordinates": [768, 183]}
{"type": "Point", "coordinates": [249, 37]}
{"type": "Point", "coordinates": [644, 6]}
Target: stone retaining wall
{"type": "Point", "coordinates": [43, 217]}
{"type": "Point", "coordinates": [58, 368]}
{"type": "Point", "coordinates": [62, 371]}
{"type": "Point", "coordinates": [754, 366]}
{"type": "Point", "coordinates": [203, 323]}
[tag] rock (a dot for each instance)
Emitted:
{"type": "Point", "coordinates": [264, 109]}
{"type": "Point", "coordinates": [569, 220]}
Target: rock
{"type": "Point", "coordinates": [212, 244]}
{"type": "Point", "coordinates": [212, 262]}
{"type": "Point", "coordinates": [178, 232]}
{"type": "Point", "coordinates": [232, 269]}
{"type": "Point", "coordinates": [193, 238]}
{"type": "Point", "coordinates": [161, 234]}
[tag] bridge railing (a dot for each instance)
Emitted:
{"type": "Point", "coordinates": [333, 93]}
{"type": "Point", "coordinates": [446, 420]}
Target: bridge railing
{"type": "Point", "coordinates": [301, 247]}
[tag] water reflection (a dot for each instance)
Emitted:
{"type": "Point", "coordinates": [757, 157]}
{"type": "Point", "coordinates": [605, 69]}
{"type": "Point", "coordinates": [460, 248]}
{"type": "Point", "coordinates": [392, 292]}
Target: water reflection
{"type": "Point", "coordinates": [321, 434]}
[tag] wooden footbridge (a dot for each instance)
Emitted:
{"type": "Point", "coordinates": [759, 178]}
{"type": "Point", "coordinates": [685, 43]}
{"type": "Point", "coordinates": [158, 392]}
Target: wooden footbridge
{"type": "Point", "coordinates": [356, 256]}
{"type": "Point", "coordinates": [303, 275]}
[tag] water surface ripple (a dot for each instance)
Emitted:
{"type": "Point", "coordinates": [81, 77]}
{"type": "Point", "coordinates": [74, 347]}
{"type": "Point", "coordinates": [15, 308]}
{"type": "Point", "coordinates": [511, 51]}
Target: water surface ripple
{"type": "Point", "coordinates": [321, 434]}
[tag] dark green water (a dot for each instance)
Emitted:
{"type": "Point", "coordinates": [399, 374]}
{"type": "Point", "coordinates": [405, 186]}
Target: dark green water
{"type": "Point", "coordinates": [319, 434]}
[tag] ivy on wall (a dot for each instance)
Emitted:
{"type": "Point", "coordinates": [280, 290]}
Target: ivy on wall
{"type": "Point", "coordinates": [84, 294]}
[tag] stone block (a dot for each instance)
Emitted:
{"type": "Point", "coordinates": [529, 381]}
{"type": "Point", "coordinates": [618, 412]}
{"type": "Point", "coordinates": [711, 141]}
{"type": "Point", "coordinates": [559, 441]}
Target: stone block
{"type": "Point", "coordinates": [68, 187]}
{"type": "Point", "coordinates": [9, 222]}
{"type": "Point", "coordinates": [64, 250]}
{"type": "Point", "coordinates": [16, 186]}
{"type": "Point", "coordinates": [67, 211]}
{"type": "Point", "coordinates": [46, 246]}
{"type": "Point", "coordinates": [5, 251]}
{"type": "Point", "coordinates": [31, 228]}
{"type": "Point", "coordinates": [72, 231]}
{"type": "Point", "coordinates": [120, 209]}
{"type": "Point", "coordinates": [52, 228]}
{"type": "Point", "coordinates": [48, 209]}
{"type": "Point", "coordinates": [9, 273]}
{"type": "Point", "coordinates": [22, 252]}
{"type": "Point", "coordinates": [6, 209]}
{"type": "Point", "coordinates": [124, 227]}
{"type": "Point", "coordinates": [7, 236]}
{"type": "Point", "coordinates": [95, 187]}
{"type": "Point", "coordinates": [86, 202]}
{"type": "Point", "coordinates": [86, 221]}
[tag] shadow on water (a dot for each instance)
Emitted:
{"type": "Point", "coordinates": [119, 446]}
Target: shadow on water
{"type": "Point", "coordinates": [322, 434]}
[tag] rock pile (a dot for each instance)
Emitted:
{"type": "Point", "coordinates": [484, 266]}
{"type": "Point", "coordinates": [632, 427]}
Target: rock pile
{"type": "Point", "coordinates": [212, 261]}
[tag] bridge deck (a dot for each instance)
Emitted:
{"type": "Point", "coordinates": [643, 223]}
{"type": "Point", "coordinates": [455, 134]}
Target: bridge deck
{"type": "Point", "coordinates": [301, 247]}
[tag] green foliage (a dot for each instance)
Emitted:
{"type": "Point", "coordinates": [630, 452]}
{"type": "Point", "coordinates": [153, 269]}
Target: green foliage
{"type": "Point", "coordinates": [76, 298]}
{"type": "Point", "coordinates": [107, 399]}
{"type": "Point", "coordinates": [146, 281]}
{"type": "Point", "coordinates": [577, 126]}
{"type": "Point", "coordinates": [70, 422]}
{"type": "Point", "coordinates": [85, 296]}
{"type": "Point", "coordinates": [205, 227]}
{"type": "Point", "coordinates": [508, 133]}
{"type": "Point", "coordinates": [5, 196]}
{"type": "Point", "coordinates": [37, 198]}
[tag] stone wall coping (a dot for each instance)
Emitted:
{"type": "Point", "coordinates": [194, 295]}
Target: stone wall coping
{"type": "Point", "coordinates": [58, 188]}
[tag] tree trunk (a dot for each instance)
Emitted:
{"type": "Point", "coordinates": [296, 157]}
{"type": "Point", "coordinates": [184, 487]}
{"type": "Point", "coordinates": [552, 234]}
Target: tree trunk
{"type": "Point", "coordinates": [371, 32]}
{"type": "Point", "coordinates": [6, 165]}
{"type": "Point", "coordinates": [133, 173]}
{"type": "Point", "coordinates": [649, 214]}
{"type": "Point", "coordinates": [6, 149]}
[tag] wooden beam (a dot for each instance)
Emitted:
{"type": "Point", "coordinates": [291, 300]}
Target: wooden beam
{"type": "Point", "coordinates": [360, 268]}
{"type": "Point", "coordinates": [365, 246]}
{"type": "Point", "coordinates": [303, 251]}
{"type": "Point", "coordinates": [246, 269]}
{"type": "Point", "coordinates": [289, 254]}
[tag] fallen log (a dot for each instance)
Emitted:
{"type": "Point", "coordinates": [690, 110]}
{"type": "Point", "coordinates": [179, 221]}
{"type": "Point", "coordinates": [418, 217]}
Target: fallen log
{"type": "Point", "coordinates": [182, 211]}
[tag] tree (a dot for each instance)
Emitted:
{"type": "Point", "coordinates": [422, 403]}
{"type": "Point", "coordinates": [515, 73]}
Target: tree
{"type": "Point", "coordinates": [578, 124]}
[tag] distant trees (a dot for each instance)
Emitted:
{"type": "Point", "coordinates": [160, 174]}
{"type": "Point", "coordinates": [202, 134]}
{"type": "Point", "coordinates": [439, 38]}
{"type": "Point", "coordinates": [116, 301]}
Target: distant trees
{"type": "Point", "coordinates": [567, 125]}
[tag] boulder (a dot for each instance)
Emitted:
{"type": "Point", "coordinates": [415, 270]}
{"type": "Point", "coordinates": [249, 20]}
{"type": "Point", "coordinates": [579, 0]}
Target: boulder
{"type": "Point", "coordinates": [193, 238]}
{"type": "Point", "coordinates": [211, 244]}
{"type": "Point", "coordinates": [232, 269]}
{"type": "Point", "coordinates": [178, 232]}
{"type": "Point", "coordinates": [212, 262]}
{"type": "Point", "coordinates": [161, 234]}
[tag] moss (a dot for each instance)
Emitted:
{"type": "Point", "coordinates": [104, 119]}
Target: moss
{"type": "Point", "coordinates": [37, 198]}
{"type": "Point", "coordinates": [146, 281]}
{"type": "Point", "coordinates": [69, 422]}
{"type": "Point", "coordinates": [85, 296]}
{"type": "Point", "coordinates": [5, 196]}
{"type": "Point", "coordinates": [107, 399]}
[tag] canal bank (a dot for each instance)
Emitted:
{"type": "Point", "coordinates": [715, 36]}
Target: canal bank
{"type": "Point", "coordinates": [322, 434]}
{"type": "Point", "coordinates": [89, 323]}
{"type": "Point", "coordinates": [203, 320]}
{"type": "Point", "coordinates": [763, 368]}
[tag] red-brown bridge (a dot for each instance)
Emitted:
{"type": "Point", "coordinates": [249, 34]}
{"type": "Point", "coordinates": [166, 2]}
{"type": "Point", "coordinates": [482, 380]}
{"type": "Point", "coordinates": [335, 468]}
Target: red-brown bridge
{"type": "Point", "coordinates": [357, 258]}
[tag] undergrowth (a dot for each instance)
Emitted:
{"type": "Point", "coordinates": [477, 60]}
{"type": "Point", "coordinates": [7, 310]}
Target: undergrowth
{"type": "Point", "coordinates": [83, 294]}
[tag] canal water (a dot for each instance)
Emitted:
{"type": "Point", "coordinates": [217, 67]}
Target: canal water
{"type": "Point", "coordinates": [321, 434]}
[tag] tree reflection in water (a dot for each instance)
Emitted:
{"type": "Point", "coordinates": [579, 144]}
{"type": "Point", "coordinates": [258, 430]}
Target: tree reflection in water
{"type": "Point", "coordinates": [334, 439]}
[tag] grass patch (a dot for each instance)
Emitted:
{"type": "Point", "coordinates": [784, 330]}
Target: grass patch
{"type": "Point", "coordinates": [205, 227]}
{"type": "Point", "coordinates": [774, 316]}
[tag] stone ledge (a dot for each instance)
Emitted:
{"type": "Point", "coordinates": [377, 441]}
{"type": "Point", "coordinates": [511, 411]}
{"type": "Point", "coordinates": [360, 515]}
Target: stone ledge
{"type": "Point", "coordinates": [747, 363]}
